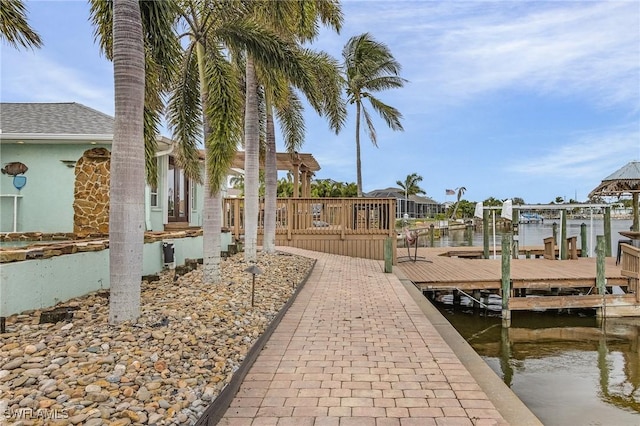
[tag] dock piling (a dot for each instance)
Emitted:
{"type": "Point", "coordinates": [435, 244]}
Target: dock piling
{"type": "Point", "coordinates": [607, 231]}
{"type": "Point", "coordinates": [388, 255]}
{"type": "Point", "coordinates": [506, 280]}
{"type": "Point", "coordinates": [485, 233]}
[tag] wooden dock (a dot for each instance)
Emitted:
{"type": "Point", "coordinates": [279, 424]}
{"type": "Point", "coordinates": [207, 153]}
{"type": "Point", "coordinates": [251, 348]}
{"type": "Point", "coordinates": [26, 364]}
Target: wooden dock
{"type": "Point", "coordinates": [564, 283]}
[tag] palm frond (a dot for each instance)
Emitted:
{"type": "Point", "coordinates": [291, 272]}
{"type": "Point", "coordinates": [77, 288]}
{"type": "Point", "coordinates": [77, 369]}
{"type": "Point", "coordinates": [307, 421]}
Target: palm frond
{"type": "Point", "coordinates": [384, 83]}
{"type": "Point", "coordinates": [291, 119]}
{"type": "Point", "coordinates": [14, 27]}
{"type": "Point", "coordinates": [101, 15]}
{"type": "Point", "coordinates": [224, 114]}
{"type": "Point", "coordinates": [184, 115]}
{"type": "Point", "coordinates": [390, 114]}
{"type": "Point", "coordinates": [371, 130]}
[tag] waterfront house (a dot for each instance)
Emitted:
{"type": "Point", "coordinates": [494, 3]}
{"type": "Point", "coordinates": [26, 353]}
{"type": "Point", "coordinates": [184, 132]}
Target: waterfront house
{"type": "Point", "coordinates": [415, 206]}
{"type": "Point", "coordinates": [65, 148]}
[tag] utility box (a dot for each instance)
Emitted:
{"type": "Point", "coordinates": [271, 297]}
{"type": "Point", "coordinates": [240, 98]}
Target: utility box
{"type": "Point", "coordinates": [168, 254]}
{"type": "Point", "coordinates": [225, 240]}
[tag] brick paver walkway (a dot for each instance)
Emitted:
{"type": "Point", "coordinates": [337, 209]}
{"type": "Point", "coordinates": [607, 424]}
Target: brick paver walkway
{"type": "Point", "coordinates": [355, 349]}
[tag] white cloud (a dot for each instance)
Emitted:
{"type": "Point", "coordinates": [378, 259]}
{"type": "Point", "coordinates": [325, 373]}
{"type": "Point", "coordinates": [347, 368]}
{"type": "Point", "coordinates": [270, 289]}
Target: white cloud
{"type": "Point", "coordinates": [35, 78]}
{"type": "Point", "coordinates": [588, 155]}
{"type": "Point", "coordinates": [457, 50]}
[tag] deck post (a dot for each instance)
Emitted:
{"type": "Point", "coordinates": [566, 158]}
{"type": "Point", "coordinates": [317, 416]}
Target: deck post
{"type": "Point", "coordinates": [485, 233]}
{"type": "Point", "coordinates": [600, 253]}
{"type": "Point", "coordinates": [289, 217]}
{"type": "Point", "coordinates": [476, 298]}
{"type": "Point", "coordinates": [635, 226]}
{"type": "Point", "coordinates": [506, 280]}
{"type": "Point", "coordinates": [584, 249]}
{"type": "Point", "coordinates": [515, 226]}
{"type": "Point", "coordinates": [607, 231]}
{"type": "Point", "coordinates": [432, 231]}
{"type": "Point", "coordinates": [469, 232]}
{"type": "Point", "coordinates": [236, 219]}
{"type": "Point", "coordinates": [554, 227]}
{"type": "Point", "coordinates": [388, 255]}
{"type": "Point", "coordinates": [564, 248]}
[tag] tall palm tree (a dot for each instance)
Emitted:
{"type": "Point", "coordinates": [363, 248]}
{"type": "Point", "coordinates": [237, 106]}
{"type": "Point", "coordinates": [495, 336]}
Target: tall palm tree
{"type": "Point", "coordinates": [459, 194]}
{"type": "Point", "coordinates": [295, 22]}
{"type": "Point", "coordinates": [126, 210]}
{"type": "Point", "coordinates": [138, 38]}
{"type": "Point", "coordinates": [206, 105]}
{"type": "Point", "coordinates": [369, 67]}
{"type": "Point", "coordinates": [282, 102]}
{"type": "Point", "coordinates": [14, 28]}
{"type": "Point", "coordinates": [217, 33]}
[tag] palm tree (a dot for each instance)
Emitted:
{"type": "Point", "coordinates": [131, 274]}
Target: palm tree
{"type": "Point", "coordinates": [126, 209]}
{"type": "Point", "coordinates": [410, 184]}
{"type": "Point", "coordinates": [459, 195]}
{"type": "Point", "coordinates": [370, 67]}
{"type": "Point", "coordinates": [410, 187]}
{"type": "Point", "coordinates": [206, 105]}
{"type": "Point", "coordinates": [285, 186]}
{"type": "Point", "coordinates": [297, 22]}
{"type": "Point", "coordinates": [138, 38]}
{"type": "Point", "coordinates": [14, 28]}
{"type": "Point", "coordinates": [273, 79]}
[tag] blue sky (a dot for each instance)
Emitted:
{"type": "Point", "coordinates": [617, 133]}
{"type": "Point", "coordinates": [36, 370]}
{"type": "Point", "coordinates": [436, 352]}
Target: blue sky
{"type": "Point", "coordinates": [508, 99]}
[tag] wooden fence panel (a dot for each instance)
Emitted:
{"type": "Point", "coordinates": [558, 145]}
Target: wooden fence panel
{"type": "Point", "coordinates": [350, 226]}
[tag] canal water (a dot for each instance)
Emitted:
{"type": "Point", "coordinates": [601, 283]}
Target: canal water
{"type": "Point", "coordinates": [569, 368]}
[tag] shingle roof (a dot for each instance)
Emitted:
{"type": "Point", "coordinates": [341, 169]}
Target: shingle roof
{"type": "Point", "coordinates": [398, 193]}
{"type": "Point", "coordinates": [54, 118]}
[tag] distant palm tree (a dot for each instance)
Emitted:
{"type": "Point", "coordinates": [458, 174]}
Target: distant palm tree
{"type": "Point", "coordinates": [459, 195]}
{"type": "Point", "coordinates": [14, 28]}
{"type": "Point", "coordinates": [410, 184]}
{"type": "Point", "coordinates": [370, 67]}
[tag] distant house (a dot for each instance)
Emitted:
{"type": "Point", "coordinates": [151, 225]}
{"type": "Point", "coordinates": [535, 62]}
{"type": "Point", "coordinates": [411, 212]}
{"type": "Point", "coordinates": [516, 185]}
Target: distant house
{"type": "Point", "coordinates": [64, 191]}
{"type": "Point", "coordinates": [414, 205]}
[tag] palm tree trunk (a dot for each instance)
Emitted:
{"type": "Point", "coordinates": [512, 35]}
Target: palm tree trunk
{"type": "Point", "coordinates": [126, 210]}
{"type": "Point", "coordinates": [271, 187]}
{"type": "Point", "coordinates": [211, 228]}
{"type": "Point", "coordinates": [212, 209]}
{"type": "Point", "coordinates": [251, 146]}
{"type": "Point", "coordinates": [358, 163]}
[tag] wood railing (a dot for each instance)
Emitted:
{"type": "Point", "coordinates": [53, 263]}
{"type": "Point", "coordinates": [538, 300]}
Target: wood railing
{"type": "Point", "coordinates": [630, 267]}
{"type": "Point", "coordinates": [319, 216]}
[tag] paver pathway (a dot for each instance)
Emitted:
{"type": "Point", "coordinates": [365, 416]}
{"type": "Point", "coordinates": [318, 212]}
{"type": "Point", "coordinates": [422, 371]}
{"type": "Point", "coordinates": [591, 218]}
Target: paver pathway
{"type": "Point", "coordinates": [355, 349]}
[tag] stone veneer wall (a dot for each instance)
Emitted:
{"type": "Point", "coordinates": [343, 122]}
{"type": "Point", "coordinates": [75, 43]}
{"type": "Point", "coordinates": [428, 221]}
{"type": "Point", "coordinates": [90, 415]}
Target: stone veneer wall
{"type": "Point", "coordinates": [91, 193]}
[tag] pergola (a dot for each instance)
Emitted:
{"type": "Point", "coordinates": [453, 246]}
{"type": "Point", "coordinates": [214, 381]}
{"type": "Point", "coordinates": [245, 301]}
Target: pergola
{"type": "Point", "coordinates": [625, 180]}
{"type": "Point", "coordinates": [301, 166]}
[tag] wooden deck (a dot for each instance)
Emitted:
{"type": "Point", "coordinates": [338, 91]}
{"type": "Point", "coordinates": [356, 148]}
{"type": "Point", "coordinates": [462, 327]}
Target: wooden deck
{"type": "Point", "coordinates": [438, 272]}
{"type": "Point", "coordinates": [443, 272]}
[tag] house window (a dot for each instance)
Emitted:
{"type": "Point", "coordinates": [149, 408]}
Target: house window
{"type": "Point", "coordinates": [154, 188]}
{"type": "Point", "coordinates": [154, 195]}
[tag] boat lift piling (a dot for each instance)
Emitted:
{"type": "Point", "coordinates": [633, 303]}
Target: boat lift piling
{"type": "Point", "coordinates": [506, 280]}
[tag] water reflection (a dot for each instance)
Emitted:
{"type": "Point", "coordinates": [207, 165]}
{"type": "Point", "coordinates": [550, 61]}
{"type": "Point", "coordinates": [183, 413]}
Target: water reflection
{"type": "Point", "coordinates": [569, 368]}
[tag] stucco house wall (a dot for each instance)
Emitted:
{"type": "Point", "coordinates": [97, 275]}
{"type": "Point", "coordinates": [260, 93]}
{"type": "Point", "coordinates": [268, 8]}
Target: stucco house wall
{"type": "Point", "coordinates": [46, 204]}
{"type": "Point", "coordinates": [49, 139]}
